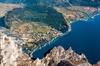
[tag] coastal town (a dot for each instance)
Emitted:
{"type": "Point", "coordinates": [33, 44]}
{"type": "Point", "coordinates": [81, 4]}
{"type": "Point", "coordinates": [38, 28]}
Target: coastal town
{"type": "Point", "coordinates": [27, 29]}
{"type": "Point", "coordinates": [33, 34]}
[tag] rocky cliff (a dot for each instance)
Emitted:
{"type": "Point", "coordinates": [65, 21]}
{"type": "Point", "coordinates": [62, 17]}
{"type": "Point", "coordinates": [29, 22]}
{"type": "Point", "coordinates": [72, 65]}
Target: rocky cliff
{"type": "Point", "coordinates": [12, 55]}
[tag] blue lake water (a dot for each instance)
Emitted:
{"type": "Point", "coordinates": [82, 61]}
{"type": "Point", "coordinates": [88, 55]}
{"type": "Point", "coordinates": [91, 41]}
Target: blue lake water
{"type": "Point", "coordinates": [84, 38]}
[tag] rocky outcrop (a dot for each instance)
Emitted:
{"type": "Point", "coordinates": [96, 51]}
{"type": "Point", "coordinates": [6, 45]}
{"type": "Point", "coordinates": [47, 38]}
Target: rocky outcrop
{"type": "Point", "coordinates": [12, 55]}
{"type": "Point", "coordinates": [11, 52]}
{"type": "Point", "coordinates": [59, 57]}
{"type": "Point", "coordinates": [98, 64]}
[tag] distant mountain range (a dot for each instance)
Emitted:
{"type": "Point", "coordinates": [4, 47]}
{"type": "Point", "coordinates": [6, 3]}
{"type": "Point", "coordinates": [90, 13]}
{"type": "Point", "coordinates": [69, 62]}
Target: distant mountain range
{"type": "Point", "coordinates": [61, 3]}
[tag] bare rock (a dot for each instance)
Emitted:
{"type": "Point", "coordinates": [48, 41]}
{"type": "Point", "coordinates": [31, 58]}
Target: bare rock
{"type": "Point", "coordinates": [12, 54]}
{"type": "Point", "coordinates": [60, 57]}
{"type": "Point", "coordinates": [98, 64]}
{"type": "Point", "coordinates": [64, 63]}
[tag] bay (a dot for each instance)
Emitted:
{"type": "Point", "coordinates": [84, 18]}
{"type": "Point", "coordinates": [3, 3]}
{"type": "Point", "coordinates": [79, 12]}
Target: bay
{"type": "Point", "coordinates": [84, 38]}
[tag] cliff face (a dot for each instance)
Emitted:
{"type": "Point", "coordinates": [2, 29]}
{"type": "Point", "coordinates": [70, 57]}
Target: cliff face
{"type": "Point", "coordinates": [11, 54]}
{"type": "Point", "coordinates": [24, 35]}
{"type": "Point", "coordinates": [98, 64]}
{"type": "Point", "coordinates": [60, 57]}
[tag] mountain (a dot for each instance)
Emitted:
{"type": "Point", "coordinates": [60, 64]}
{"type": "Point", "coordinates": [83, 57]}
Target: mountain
{"type": "Point", "coordinates": [61, 3]}
{"type": "Point", "coordinates": [38, 14]}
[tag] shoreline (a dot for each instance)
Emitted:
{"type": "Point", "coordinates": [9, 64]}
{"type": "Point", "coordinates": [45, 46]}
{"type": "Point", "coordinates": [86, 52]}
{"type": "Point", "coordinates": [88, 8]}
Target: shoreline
{"type": "Point", "coordinates": [58, 37]}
